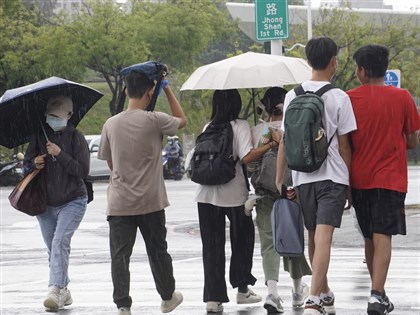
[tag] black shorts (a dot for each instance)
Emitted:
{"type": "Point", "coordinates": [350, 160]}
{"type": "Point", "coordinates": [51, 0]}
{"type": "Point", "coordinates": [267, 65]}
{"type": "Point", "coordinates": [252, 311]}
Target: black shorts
{"type": "Point", "coordinates": [380, 211]}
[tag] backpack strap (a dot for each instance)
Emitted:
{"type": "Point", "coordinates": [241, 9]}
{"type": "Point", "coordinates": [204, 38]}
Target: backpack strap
{"type": "Point", "coordinates": [325, 89]}
{"type": "Point", "coordinates": [245, 175]}
{"type": "Point", "coordinates": [299, 90]}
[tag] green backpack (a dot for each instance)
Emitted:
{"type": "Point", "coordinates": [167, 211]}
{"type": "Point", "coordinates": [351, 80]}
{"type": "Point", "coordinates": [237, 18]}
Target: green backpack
{"type": "Point", "coordinates": [305, 140]}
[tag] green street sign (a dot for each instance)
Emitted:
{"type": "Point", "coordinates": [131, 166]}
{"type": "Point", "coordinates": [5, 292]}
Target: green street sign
{"type": "Point", "coordinates": [271, 19]}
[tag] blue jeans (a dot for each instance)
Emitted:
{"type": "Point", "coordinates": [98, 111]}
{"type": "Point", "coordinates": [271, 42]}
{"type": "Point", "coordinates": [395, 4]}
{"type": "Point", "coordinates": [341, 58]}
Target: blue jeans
{"type": "Point", "coordinates": [58, 225]}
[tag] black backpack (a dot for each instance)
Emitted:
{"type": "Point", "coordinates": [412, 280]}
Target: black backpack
{"type": "Point", "coordinates": [305, 140]}
{"type": "Point", "coordinates": [212, 162]}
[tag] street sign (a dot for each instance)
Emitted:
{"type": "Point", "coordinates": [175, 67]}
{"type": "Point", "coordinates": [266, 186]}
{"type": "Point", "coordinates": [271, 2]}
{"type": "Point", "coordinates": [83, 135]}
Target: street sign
{"type": "Point", "coordinates": [271, 20]}
{"type": "Point", "coordinates": [393, 77]}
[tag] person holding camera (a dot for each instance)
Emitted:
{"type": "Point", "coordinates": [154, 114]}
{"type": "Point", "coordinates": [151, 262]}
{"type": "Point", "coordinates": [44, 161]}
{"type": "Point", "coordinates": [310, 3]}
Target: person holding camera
{"type": "Point", "coordinates": [131, 143]}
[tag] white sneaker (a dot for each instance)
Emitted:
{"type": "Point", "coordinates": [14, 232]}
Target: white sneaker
{"type": "Point", "coordinates": [214, 307]}
{"type": "Point", "coordinates": [170, 305]}
{"type": "Point", "coordinates": [273, 305]}
{"type": "Point", "coordinates": [57, 298]}
{"type": "Point", "coordinates": [124, 311]}
{"type": "Point", "coordinates": [328, 303]}
{"type": "Point", "coordinates": [248, 298]}
{"type": "Point", "coordinates": [299, 297]}
{"type": "Point", "coordinates": [311, 308]}
{"type": "Point", "coordinates": [65, 296]}
{"type": "Point", "coordinates": [250, 203]}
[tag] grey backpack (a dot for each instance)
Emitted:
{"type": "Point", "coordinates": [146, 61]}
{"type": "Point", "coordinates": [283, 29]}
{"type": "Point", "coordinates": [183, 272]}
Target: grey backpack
{"type": "Point", "coordinates": [287, 227]}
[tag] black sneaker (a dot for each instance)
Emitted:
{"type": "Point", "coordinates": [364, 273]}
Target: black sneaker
{"type": "Point", "coordinates": [378, 307]}
{"type": "Point", "coordinates": [390, 306]}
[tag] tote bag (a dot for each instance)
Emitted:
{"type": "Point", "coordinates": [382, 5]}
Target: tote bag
{"type": "Point", "coordinates": [29, 195]}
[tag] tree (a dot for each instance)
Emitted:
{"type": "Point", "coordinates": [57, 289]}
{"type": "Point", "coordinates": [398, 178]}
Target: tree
{"type": "Point", "coordinates": [30, 51]}
{"type": "Point", "coordinates": [109, 41]}
{"type": "Point", "coordinates": [350, 31]}
{"type": "Point", "coordinates": [19, 33]}
{"type": "Point", "coordinates": [114, 36]}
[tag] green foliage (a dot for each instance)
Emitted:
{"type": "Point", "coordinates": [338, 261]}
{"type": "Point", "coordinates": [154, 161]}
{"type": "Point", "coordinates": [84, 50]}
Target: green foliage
{"type": "Point", "coordinates": [30, 52]}
{"type": "Point", "coordinates": [109, 41]}
{"type": "Point", "coordinates": [350, 31]}
{"type": "Point", "coordinates": [178, 32]}
{"type": "Point", "coordinates": [17, 47]}
{"type": "Point", "coordinates": [104, 36]}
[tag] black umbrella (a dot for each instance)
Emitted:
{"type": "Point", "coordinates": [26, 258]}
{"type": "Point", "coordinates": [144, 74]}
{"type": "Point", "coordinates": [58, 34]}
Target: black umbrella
{"type": "Point", "coordinates": [22, 109]}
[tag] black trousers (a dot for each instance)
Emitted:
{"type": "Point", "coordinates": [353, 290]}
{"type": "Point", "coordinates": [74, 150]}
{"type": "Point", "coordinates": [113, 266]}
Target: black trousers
{"type": "Point", "coordinates": [123, 231]}
{"type": "Point", "coordinates": [213, 236]}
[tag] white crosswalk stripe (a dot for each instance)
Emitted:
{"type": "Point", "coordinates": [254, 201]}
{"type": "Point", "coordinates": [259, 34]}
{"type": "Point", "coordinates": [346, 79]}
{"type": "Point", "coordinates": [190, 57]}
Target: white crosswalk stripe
{"type": "Point", "coordinates": [91, 281]}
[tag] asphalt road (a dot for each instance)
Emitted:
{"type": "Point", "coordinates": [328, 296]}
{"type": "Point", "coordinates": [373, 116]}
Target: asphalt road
{"type": "Point", "coordinates": [24, 265]}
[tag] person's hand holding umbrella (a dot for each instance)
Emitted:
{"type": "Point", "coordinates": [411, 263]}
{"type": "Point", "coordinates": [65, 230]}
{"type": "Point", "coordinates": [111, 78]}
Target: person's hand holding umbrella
{"type": "Point", "coordinates": [53, 149]}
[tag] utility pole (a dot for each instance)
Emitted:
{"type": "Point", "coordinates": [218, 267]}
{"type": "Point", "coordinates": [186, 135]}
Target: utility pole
{"type": "Point", "coordinates": [309, 4]}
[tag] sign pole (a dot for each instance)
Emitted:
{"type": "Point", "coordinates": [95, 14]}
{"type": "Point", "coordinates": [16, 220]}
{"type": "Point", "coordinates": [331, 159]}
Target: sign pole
{"type": "Point", "coordinates": [277, 47]}
{"type": "Point", "coordinates": [309, 19]}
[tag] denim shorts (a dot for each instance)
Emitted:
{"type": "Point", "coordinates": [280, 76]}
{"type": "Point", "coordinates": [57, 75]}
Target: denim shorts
{"type": "Point", "coordinates": [380, 211]}
{"type": "Point", "coordinates": [322, 203]}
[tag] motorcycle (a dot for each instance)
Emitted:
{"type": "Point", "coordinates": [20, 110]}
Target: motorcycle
{"type": "Point", "coordinates": [173, 160]}
{"type": "Point", "coordinates": [11, 173]}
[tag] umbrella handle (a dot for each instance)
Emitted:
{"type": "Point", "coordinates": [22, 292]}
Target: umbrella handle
{"type": "Point", "coordinates": [43, 129]}
{"type": "Point", "coordinates": [152, 103]}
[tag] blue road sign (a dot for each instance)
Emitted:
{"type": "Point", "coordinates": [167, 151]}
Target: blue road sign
{"type": "Point", "coordinates": [392, 77]}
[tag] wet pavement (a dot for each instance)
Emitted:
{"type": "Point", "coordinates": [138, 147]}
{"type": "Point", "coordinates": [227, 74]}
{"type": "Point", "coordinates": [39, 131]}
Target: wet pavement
{"type": "Point", "coordinates": [24, 267]}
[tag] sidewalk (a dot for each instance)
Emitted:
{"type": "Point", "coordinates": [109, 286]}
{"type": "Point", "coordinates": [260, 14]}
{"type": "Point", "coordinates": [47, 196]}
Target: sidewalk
{"type": "Point", "coordinates": [24, 267]}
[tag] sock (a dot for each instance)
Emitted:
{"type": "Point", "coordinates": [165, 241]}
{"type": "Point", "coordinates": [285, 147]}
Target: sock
{"type": "Point", "coordinates": [296, 284]}
{"type": "Point", "coordinates": [315, 299]}
{"type": "Point", "coordinates": [243, 288]}
{"type": "Point", "coordinates": [376, 294]}
{"type": "Point", "coordinates": [272, 287]}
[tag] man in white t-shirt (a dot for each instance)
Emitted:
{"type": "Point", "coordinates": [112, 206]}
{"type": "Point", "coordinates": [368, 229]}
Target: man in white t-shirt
{"type": "Point", "coordinates": [323, 193]}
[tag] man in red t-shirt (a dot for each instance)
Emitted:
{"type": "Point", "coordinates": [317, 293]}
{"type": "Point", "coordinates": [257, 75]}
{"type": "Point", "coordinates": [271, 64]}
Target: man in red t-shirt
{"type": "Point", "coordinates": [387, 120]}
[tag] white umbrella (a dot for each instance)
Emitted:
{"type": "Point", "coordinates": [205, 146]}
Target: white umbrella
{"type": "Point", "coordinates": [249, 70]}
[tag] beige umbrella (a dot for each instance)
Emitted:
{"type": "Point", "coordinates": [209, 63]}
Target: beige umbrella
{"type": "Point", "coordinates": [249, 70]}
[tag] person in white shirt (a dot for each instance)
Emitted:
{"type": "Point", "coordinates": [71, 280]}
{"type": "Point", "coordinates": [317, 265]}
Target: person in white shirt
{"type": "Point", "coordinates": [323, 193]}
{"type": "Point", "coordinates": [216, 202]}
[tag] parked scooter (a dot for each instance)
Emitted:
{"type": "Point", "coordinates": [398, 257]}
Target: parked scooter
{"type": "Point", "coordinates": [12, 172]}
{"type": "Point", "coordinates": [173, 159]}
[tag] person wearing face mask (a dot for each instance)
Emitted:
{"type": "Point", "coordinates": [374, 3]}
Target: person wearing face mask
{"type": "Point", "coordinates": [263, 200]}
{"type": "Point", "coordinates": [62, 153]}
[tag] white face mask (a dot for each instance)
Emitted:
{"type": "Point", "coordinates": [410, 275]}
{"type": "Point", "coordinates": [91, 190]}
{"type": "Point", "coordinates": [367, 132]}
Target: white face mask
{"type": "Point", "coordinates": [56, 123]}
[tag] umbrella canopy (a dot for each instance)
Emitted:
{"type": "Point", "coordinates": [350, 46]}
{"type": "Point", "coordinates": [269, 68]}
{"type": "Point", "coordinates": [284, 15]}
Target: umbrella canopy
{"type": "Point", "coordinates": [249, 70]}
{"type": "Point", "coordinates": [22, 109]}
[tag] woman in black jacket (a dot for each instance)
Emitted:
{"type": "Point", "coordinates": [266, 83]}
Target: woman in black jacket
{"type": "Point", "coordinates": [62, 152]}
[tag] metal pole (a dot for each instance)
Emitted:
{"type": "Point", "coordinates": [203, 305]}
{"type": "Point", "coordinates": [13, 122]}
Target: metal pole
{"type": "Point", "coordinates": [309, 19]}
{"type": "Point", "coordinates": [277, 47]}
